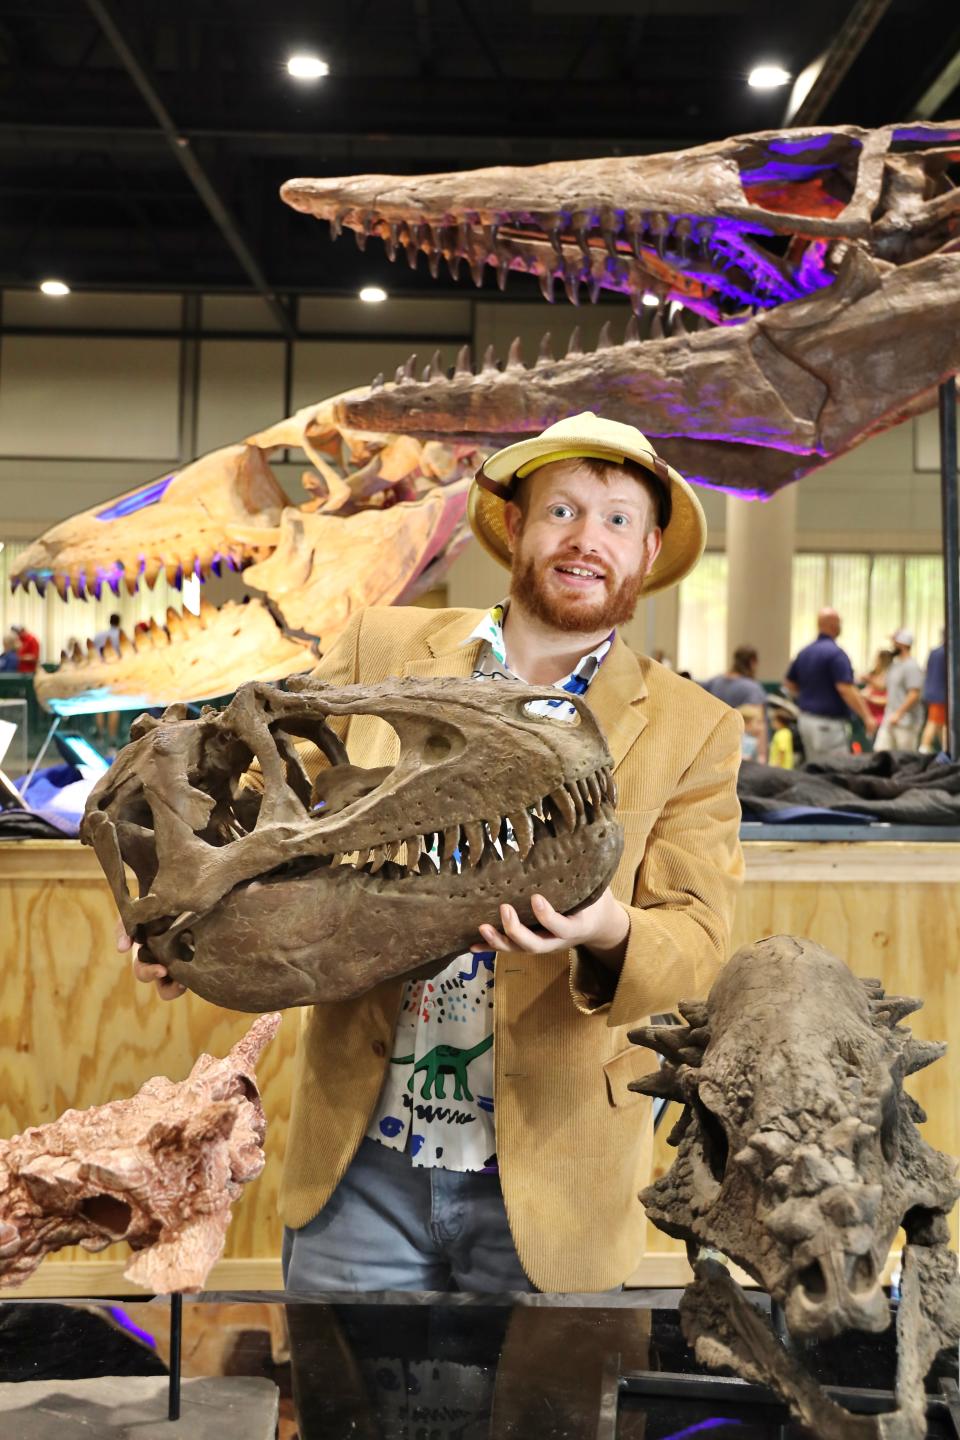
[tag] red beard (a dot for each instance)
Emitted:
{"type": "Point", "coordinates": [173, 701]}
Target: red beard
{"type": "Point", "coordinates": [575, 612]}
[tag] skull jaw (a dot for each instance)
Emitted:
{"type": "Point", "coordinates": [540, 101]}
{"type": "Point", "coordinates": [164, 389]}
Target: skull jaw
{"type": "Point", "coordinates": [283, 944]}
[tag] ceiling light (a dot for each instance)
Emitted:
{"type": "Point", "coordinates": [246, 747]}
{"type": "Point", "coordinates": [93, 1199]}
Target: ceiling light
{"type": "Point", "coordinates": [768, 77]}
{"type": "Point", "coordinates": [54, 287]}
{"type": "Point", "coordinates": [372, 294]}
{"type": "Point", "coordinates": [307, 67]}
{"type": "Point", "coordinates": [650, 299]}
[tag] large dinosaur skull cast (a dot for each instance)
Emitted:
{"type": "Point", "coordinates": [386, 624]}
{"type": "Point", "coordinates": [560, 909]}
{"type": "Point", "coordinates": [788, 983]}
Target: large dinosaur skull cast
{"type": "Point", "coordinates": [809, 296]}
{"type": "Point", "coordinates": [798, 1156]}
{"type": "Point", "coordinates": [365, 873]}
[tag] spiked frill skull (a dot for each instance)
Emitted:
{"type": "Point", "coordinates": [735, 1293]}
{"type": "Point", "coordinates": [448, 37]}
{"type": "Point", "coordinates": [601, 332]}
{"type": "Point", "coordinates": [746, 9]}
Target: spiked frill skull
{"type": "Point", "coordinates": [363, 874]}
{"type": "Point", "coordinates": [799, 1158]}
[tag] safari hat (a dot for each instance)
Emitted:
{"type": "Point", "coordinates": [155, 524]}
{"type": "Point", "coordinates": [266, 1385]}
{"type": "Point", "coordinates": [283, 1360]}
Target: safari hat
{"type": "Point", "coordinates": [589, 436]}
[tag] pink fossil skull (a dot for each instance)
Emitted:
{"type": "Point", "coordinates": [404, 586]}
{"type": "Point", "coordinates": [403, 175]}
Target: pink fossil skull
{"type": "Point", "coordinates": [159, 1171]}
{"type": "Point", "coordinates": [364, 873]}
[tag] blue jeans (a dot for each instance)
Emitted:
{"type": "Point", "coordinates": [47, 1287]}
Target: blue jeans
{"type": "Point", "coordinates": [392, 1226]}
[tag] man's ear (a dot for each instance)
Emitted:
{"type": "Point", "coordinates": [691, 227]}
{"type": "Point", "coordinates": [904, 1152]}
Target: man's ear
{"type": "Point", "coordinates": [651, 545]}
{"type": "Point", "coordinates": [512, 523]}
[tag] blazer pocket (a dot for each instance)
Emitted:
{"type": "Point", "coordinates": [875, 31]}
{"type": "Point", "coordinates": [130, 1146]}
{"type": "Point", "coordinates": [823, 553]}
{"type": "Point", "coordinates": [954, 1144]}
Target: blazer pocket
{"type": "Point", "coordinates": [621, 1069]}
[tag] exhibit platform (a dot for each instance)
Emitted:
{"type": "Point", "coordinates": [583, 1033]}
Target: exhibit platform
{"type": "Point", "coordinates": [452, 1367]}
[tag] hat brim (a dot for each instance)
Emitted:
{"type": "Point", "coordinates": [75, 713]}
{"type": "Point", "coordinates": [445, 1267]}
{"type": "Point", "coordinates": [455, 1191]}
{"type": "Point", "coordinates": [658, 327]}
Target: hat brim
{"type": "Point", "coordinates": [684, 539]}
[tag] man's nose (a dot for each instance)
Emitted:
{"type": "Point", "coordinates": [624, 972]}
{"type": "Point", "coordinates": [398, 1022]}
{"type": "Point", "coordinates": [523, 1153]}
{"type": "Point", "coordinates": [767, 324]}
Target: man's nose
{"type": "Point", "coordinates": [586, 533]}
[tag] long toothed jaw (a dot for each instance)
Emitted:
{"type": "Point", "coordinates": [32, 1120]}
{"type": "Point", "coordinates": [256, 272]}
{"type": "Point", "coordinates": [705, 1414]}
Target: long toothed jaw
{"type": "Point", "coordinates": [509, 843]}
{"type": "Point", "coordinates": [692, 268]}
{"type": "Point", "coordinates": [85, 581]}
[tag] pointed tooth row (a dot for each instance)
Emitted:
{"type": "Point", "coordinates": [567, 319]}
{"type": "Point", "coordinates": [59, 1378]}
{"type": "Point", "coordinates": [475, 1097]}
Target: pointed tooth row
{"type": "Point", "coordinates": [475, 841]}
{"type": "Point", "coordinates": [155, 637]}
{"type": "Point", "coordinates": [81, 585]}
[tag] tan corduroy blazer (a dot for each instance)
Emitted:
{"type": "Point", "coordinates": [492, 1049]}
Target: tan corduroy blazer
{"type": "Point", "coordinates": [573, 1142]}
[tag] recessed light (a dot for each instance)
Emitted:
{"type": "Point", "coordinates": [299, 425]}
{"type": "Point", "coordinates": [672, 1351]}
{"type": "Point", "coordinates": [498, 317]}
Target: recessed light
{"type": "Point", "coordinates": [372, 294]}
{"type": "Point", "coordinates": [307, 67]}
{"type": "Point", "coordinates": [54, 287]}
{"type": "Point", "coordinates": [768, 77]}
{"type": "Point", "coordinates": [650, 299]}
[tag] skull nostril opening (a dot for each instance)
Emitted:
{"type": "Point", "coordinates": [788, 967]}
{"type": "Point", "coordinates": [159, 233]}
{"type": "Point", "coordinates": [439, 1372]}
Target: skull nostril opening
{"type": "Point", "coordinates": [185, 945]}
{"type": "Point", "coordinates": [863, 1276]}
{"type": "Point", "coordinates": [107, 1213]}
{"type": "Point", "coordinates": [812, 1281]}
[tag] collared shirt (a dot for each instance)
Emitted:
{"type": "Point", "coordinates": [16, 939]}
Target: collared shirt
{"type": "Point", "coordinates": [438, 1091]}
{"type": "Point", "coordinates": [817, 671]}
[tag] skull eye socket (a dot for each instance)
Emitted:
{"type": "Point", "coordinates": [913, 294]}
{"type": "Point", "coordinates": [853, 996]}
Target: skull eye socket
{"type": "Point", "coordinates": [716, 1148]}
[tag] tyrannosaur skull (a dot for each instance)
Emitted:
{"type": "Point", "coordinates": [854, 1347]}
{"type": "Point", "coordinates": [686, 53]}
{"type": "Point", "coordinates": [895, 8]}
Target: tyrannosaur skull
{"type": "Point", "coordinates": [364, 873]}
{"type": "Point", "coordinates": [798, 1156]}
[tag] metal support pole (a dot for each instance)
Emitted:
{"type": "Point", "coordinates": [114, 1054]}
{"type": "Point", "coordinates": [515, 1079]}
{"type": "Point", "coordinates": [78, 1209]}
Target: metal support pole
{"type": "Point", "coordinates": [950, 524]}
{"type": "Point", "coordinates": [176, 1333]}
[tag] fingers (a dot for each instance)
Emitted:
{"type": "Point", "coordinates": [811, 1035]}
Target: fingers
{"type": "Point", "coordinates": [514, 935]}
{"type": "Point", "coordinates": [148, 973]}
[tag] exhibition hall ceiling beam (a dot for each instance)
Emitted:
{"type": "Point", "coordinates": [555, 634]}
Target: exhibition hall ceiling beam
{"type": "Point", "coordinates": [183, 150]}
{"type": "Point", "coordinates": [939, 89]}
{"type": "Point", "coordinates": [842, 51]}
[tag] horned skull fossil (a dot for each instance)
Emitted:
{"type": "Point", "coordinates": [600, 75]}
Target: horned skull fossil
{"type": "Point", "coordinates": [798, 1156]}
{"type": "Point", "coordinates": [159, 1170]}
{"type": "Point", "coordinates": [365, 873]}
{"type": "Point", "coordinates": [808, 287]}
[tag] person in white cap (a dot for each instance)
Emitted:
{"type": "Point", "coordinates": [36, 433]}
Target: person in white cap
{"type": "Point", "coordinates": [900, 726]}
{"type": "Point", "coordinates": [527, 1177]}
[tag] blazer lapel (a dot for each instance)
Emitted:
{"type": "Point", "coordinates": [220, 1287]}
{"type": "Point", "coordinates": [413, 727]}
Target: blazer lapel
{"type": "Point", "coordinates": [615, 697]}
{"type": "Point", "coordinates": [449, 652]}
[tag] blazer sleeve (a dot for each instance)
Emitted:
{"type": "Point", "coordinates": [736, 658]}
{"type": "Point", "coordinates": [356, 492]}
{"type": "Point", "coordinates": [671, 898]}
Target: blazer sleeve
{"type": "Point", "coordinates": [685, 884]}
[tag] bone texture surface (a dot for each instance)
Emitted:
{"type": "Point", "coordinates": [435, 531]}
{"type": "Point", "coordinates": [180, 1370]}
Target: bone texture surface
{"type": "Point", "coordinates": [159, 1171]}
{"type": "Point", "coordinates": [799, 1157]}
{"type": "Point", "coordinates": [807, 296]}
{"type": "Point", "coordinates": [363, 873]}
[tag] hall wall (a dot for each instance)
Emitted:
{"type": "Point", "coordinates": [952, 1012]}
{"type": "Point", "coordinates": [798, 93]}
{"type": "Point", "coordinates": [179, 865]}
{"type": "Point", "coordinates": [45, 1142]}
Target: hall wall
{"type": "Point", "coordinates": [100, 392]}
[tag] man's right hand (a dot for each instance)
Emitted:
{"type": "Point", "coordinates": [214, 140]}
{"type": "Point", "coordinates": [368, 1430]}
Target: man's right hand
{"type": "Point", "coordinates": [167, 989]}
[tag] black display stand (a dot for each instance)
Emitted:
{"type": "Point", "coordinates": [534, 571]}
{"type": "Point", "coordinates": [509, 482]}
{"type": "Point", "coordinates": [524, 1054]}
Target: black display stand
{"type": "Point", "coordinates": [176, 1338]}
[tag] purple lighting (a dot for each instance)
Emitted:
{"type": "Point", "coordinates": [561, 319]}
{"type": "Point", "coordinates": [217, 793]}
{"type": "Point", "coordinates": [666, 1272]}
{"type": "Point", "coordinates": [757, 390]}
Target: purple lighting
{"type": "Point", "coordinates": [120, 1316]}
{"type": "Point", "coordinates": [806, 143]}
{"type": "Point", "coordinates": [136, 500]}
{"type": "Point", "coordinates": [714, 1423]}
{"type": "Point", "coordinates": [775, 171]}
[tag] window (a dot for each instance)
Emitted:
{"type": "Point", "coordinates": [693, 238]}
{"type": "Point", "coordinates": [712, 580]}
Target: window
{"type": "Point", "coordinates": [702, 620]}
{"type": "Point", "coordinates": [875, 595]}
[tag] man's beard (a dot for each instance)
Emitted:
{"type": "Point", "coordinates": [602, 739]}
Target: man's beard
{"type": "Point", "coordinates": [574, 613]}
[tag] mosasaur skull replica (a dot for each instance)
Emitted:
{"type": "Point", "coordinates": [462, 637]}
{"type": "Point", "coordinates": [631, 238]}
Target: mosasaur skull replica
{"type": "Point", "coordinates": [365, 873]}
{"type": "Point", "coordinates": [798, 1156]}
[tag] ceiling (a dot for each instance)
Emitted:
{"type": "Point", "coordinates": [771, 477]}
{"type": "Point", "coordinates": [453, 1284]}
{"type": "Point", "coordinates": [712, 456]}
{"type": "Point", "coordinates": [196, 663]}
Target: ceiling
{"type": "Point", "coordinates": [142, 143]}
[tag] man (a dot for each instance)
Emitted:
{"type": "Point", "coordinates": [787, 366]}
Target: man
{"type": "Point", "coordinates": [28, 650]}
{"type": "Point", "coordinates": [379, 1189]}
{"type": "Point", "coordinates": [900, 727]}
{"type": "Point", "coordinates": [820, 679]}
{"type": "Point", "coordinates": [934, 737]}
{"type": "Point", "coordinates": [739, 686]}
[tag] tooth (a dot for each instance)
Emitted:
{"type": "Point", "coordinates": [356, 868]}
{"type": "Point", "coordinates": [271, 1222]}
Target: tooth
{"type": "Point", "coordinates": [577, 799]}
{"type": "Point", "coordinates": [433, 263]}
{"type": "Point", "coordinates": [546, 285]}
{"type": "Point", "coordinates": [545, 353]}
{"type": "Point", "coordinates": [575, 343]}
{"type": "Point", "coordinates": [476, 270]}
{"type": "Point", "coordinates": [490, 358]}
{"type": "Point", "coordinates": [494, 827]}
{"type": "Point", "coordinates": [463, 366]}
{"type": "Point", "coordinates": [474, 836]}
{"type": "Point", "coordinates": [362, 857]}
{"type": "Point", "coordinates": [584, 789]}
{"type": "Point", "coordinates": [523, 832]}
{"type": "Point", "coordinates": [594, 789]}
{"type": "Point", "coordinates": [337, 859]}
{"type": "Point", "coordinates": [593, 288]}
{"type": "Point", "coordinates": [132, 582]}
{"type": "Point", "coordinates": [62, 582]}
{"type": "Point", "coordinates": [412, 852]}
{"type": "Point", "coordinates": [515, 355]}
{"type": "Point", "coordinates": [562, 804]}
{"type": "Point", "coordinates": [437, 367]}
{"type": "Point", "coordinates": [605, 340]}
{"type": "Point", "coordinates": [631, 336]}
{"type": "Point", "coordinates": [450, 841]}
{"type": "Point", "coordinates": [453, 265]}
{"type": "Point", "coordinates": [571, 284]}
{"type": "Point", "coordinates": [409, 368]}
{"type": "Point", "coordinates": [503, 270]}
{"type": "Point", "coordinates": [378, 858]}
{"type": "Point", "coordinates": [391, 241]}
{"type": "Point", "coordinates": [174, 623]}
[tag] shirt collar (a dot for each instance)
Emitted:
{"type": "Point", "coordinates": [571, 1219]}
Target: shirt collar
{"type": "Point", "coordinates": [490, 631]}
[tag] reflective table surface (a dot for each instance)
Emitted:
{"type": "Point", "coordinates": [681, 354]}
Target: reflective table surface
{"type": "Point", "coordinates": [435, 1367]}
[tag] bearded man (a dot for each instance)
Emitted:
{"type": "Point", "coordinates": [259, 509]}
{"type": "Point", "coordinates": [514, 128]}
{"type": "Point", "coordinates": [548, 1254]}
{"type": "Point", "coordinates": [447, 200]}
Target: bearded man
{"type": "Point", "coordinates": [477, 1130]}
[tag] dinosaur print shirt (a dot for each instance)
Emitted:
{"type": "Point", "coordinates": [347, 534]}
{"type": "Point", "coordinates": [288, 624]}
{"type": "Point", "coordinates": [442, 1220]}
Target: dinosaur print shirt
{"type": "Point", "coordinates": [437, 1099]}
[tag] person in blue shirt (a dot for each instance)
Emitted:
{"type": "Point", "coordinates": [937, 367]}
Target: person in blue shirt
{"type": "Point", "coordinates": [820, 679]}
{"type": "Point", "coordinates": [934, 735]}
{"type": "Point", "coordinates": [10, 658]}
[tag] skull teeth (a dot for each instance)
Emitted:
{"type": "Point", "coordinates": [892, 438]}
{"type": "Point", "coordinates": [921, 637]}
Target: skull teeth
{"type": "Point", "coordinates": [475, 843]}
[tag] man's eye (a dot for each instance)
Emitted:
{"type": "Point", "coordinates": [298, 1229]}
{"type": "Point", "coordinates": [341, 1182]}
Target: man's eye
{"type": "Point", "coordinates": [619, 520]}
{"type": "Point", "coordinates": [560, 511]}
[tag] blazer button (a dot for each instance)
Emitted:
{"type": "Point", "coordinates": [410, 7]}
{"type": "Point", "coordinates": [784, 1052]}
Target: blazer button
{"type": "Point", "coordinates": [378, 1048]}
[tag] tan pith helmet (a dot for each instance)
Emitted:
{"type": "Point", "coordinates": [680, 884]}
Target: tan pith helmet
{"type": "Point", "coordinates": [580, 437]}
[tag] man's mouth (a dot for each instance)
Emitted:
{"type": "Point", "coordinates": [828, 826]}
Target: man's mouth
{"type": "Point", "coordinates": [579, 577]}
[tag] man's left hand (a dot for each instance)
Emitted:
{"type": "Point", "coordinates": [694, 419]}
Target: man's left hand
{"type": "Point", "coordinates": [601, 927]}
